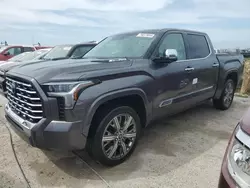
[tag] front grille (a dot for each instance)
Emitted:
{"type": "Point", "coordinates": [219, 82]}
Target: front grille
{"type": "Point", "coordinates": [24, 100]}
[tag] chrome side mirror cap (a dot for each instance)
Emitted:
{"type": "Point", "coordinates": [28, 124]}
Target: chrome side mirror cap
{"type": "Point", "coordinates": [171, 54]}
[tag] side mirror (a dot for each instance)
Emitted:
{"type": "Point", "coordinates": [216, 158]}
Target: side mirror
{"type": "Point", "coordinates": [6, 53]}
{"type": "Point", "coordinates": [171, 55]}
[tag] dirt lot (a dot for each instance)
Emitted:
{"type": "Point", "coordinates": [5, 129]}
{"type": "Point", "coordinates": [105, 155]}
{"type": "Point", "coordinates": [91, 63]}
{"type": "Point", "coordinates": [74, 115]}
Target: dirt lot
{"type": "Point", "coordinates": [182, 151]}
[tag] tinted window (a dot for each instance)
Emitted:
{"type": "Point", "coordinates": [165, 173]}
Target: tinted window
{"type": "Point", "coordinates": [27, 49]}
{"type": "Point", "coordinates": [173, 41]}
{"type": "Point", "coordinates": [14, 51]}
{"type": "Point", "coordinates": [198, 46]}
{"type": "Point", "coordinates": [80, 51]}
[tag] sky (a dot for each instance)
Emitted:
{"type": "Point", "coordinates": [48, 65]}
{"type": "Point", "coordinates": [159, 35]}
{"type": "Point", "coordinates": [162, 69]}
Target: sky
{"type": "Point", "coordinates": [53, 22]}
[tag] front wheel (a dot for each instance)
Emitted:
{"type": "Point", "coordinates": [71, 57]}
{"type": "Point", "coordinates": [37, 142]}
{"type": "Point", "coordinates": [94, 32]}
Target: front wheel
{"type": "Point", "coordinates": [226, 99]}
{"type": "Point", "coordinates": [116, 136]}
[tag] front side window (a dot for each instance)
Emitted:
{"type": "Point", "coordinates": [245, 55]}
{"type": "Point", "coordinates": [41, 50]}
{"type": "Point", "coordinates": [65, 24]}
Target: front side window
{"type": "Point", "coordinates": [172, 41]}
{"type": "Point", "coordinates": [198, 46]}
{"type": "Point", "coordinates": [131, 45]}
{"type": "Point", "coordinates": [81, 51]}
{"type": "Point", "coordinates": [14, 51]}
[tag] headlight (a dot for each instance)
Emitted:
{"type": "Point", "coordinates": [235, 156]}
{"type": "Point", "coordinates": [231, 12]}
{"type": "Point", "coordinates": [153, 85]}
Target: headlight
{"type": "Point", "coordinates": [59, 87]}
{"type": "Point", "coordinates": [70, 91]}
{"type": "Point", "coordinates": [239, 159]}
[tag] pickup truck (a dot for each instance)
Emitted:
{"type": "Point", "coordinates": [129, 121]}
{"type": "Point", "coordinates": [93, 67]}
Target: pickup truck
{"type": "Point", "coordinates": [102, 101]}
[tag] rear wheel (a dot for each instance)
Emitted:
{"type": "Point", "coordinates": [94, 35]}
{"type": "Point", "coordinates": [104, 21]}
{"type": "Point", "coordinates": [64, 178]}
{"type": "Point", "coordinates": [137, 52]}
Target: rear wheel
{"type": "Point", "coordinates": [226, 99]}
{"type": "Point", "coordinates": [116, 136]}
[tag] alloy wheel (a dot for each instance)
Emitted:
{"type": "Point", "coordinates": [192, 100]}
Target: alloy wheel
{"type": "Point", "coordinates": [119, 136]}
{"type": "Point", "coordinates": [228, 94]}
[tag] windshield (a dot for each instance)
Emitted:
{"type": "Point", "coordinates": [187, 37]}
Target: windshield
{"type": "Point", "coordinates": [132, 45]}
{"type": "Point", "coordinates": [58, 52]}
{"type": "Point", "coordinates": [42, 53]}
{"type": "Point", "coordinates": [19, 57]}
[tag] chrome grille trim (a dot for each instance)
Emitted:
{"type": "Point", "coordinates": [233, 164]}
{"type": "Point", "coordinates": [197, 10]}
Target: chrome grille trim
{"type": "Point", "coordinates": [24, 100]}
{"type": "Point", "coordinates": [28, 85]}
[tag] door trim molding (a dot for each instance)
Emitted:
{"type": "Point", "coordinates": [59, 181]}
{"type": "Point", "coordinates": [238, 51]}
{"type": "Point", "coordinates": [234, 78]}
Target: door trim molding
{"type": "Point", "coordinates": [178, 98]}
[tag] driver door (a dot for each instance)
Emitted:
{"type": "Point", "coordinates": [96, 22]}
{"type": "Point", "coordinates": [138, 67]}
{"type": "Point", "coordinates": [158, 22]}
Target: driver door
{"type": "Point", "coordinates": [173, 82]}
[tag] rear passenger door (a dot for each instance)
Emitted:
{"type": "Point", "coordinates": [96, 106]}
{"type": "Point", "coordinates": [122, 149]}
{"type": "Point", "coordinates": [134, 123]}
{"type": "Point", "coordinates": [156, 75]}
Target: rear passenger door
{"type": "Point", "coordinates": [205, 66]}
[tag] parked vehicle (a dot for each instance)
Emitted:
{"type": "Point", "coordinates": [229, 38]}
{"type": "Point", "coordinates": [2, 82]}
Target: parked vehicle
{"type": "Point", "coordinates": [235, 171]}
{"type": "Point", "coordinates": [6, 52]}
{"type": "Point", "coordinates": [102, 101]}
{"type": "Point", "coordinates": [69, 51]}
{"type": "Point", "coordinates": [25, 57]}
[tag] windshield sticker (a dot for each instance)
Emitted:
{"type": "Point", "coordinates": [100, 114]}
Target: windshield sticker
{"type": "Point", "coordinates": [67, 48]}
{"type": "Point", "coordinates": [145, 35]}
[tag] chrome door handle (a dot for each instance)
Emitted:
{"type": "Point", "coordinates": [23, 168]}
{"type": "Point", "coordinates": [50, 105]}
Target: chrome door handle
{"type": "Point", "coordinates": [189, 69]}
{"type": "Point", "coordinates": [216, 64]}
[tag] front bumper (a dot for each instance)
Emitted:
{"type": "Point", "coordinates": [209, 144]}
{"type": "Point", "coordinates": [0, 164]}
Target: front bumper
{"type": "Point", "coordinates": [226, 181]}
{"type": "Point", "coordinates": [2, 84]}
{"type": "Point", "coordinates": [58, 135]}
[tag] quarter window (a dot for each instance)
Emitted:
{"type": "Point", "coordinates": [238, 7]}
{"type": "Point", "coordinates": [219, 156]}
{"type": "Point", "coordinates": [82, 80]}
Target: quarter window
{"type": "Point", "coordinates": [28, 49]}
{"type": "Point", "coordinates": [173, 41]}
{"type": "Point", "coordinates": [198, 46]}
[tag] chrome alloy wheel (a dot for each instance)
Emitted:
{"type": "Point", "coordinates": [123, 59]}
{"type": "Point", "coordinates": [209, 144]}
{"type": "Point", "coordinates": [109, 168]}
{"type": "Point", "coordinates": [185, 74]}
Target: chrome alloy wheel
{"type": "Point", "coordinates": [119, 136]}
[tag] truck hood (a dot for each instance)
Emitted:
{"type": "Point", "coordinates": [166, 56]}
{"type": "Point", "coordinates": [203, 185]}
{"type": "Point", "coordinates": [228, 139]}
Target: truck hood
{"type": "Point", "coordinates": [69, 69]}
{"type": "Point", "coordinates": [5, 67]}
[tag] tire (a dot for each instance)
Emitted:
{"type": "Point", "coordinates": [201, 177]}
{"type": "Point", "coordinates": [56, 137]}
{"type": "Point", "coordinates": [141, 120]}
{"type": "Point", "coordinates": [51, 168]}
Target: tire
{"type": "Point", "coordinates": [102, 150]}
{"type": "Point", "coordinates": [222, 103]}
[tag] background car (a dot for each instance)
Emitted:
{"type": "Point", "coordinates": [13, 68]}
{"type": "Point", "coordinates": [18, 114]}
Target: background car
{"type": "Point", "coordinates": [7, 52]}
{"type": "Point", "coordinates": [235, 169]}
{"type": "Point", "coordinates": [69, 51]}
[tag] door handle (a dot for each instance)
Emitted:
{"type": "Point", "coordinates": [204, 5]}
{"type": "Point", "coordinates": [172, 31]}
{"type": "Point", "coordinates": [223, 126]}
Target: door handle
{"type": "Point", "coordinates": [216, 64]}
{"type": "Point", "coordinates": [189, 69]}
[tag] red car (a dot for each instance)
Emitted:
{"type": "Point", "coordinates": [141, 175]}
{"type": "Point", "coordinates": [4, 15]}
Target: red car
{"type": "Point", "coordinates": [6, 52]}
{"type": "Point", "coordinates": [235, 170]}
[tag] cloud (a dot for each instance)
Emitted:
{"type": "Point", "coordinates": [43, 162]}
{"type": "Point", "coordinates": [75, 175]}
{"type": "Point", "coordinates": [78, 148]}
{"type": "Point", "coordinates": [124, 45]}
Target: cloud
{"type": "Point", "coordinates": [137, 11]}
{"type": "Point", "coordinates": [99, 18]}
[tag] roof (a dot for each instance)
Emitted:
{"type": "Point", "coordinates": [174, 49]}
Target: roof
{"type": "Point", "coordinates": [163, 30]}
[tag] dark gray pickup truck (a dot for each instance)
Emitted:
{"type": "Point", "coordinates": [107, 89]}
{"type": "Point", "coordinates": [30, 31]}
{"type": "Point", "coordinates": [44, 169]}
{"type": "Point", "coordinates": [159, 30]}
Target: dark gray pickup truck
{"type": "Point", "coordinates": [102, 101]}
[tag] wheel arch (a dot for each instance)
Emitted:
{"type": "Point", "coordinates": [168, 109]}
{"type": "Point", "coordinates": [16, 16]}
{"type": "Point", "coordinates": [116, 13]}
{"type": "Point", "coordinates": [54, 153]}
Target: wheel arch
{"type": "Point", "coordinates": [232, 74]}
{"type": "Point", "coordinates": [116, 95]}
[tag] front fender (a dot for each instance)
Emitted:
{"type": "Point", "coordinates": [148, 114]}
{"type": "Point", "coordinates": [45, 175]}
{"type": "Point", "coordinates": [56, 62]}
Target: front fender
{"type": "Point", "coordinates": [114, 95]}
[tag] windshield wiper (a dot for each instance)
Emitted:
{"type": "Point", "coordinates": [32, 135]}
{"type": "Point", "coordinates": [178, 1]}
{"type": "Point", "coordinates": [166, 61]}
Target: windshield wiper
{"type": "Point", "coordinates": [59, 58]}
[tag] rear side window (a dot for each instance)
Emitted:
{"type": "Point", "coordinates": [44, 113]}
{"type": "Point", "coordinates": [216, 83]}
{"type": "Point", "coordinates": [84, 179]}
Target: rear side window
{"type": "Point", "coordinates": [198, 46]}
{"type": "Point", "coordinates": [27, 49]}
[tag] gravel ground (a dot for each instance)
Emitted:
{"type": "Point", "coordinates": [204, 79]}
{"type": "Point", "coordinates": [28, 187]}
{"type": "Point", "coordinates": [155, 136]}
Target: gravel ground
{"type": "Point", "coordinates": [185, 150]}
